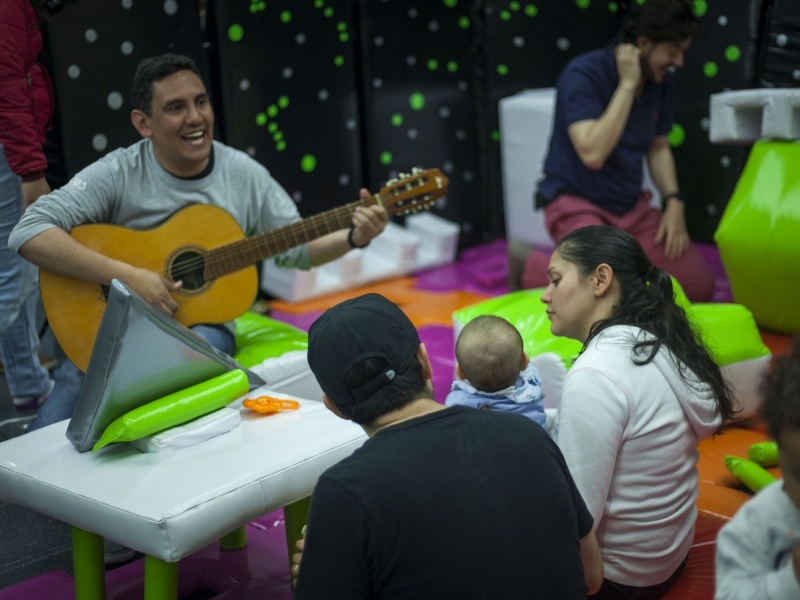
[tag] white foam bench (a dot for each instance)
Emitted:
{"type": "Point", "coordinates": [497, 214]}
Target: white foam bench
{"type": "Point", "coordinates": [744, 116]}
{"type": "Point", "coordinates": [171, 504]}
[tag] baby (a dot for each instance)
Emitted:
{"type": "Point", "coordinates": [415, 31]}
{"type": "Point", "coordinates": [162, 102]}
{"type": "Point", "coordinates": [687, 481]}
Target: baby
{"type": "Point", "coordinates": [494, 371]}
{"type": "Point", "coordinates": [758, 552]}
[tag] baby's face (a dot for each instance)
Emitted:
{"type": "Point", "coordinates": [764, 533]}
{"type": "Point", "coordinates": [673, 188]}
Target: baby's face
{"type": "Point", "coordinates": [790, 463]}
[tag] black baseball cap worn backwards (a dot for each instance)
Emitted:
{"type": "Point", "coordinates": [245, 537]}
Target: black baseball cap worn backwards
{"type": "Point", "coordinates": [365, 327]}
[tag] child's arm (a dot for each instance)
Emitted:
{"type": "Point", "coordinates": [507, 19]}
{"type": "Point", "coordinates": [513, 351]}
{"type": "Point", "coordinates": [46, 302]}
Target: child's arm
{"type": "Point", "coordinates": [592, 563]}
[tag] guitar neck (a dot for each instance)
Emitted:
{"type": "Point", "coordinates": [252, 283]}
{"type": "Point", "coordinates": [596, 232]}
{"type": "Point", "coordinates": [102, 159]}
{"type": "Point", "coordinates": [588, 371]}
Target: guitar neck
{"type": "Point", "coordinates": [239, 255]}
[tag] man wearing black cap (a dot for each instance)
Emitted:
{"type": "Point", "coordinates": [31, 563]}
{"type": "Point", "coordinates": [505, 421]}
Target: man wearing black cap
{"type": "Point", "coordinates": [438, 503]}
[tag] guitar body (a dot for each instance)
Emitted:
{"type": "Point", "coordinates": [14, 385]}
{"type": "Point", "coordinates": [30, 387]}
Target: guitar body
{"type": "Point", "coordinates": [75, 307]}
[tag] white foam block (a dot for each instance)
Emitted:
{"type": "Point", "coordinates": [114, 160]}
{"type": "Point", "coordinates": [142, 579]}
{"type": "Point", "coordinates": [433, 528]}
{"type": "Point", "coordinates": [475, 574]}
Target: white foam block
{"type": "Point", "coordinates": [744, 116]}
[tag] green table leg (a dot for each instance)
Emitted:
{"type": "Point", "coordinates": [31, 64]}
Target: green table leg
{"type": "Point", "coordinates": [235, 540]}
{"type": "Point", "coordinates": [90, 570]}
{"type": "Point", "coordinates": [295, 515]}
{"type": "Point", "coordinates": [160, 579]}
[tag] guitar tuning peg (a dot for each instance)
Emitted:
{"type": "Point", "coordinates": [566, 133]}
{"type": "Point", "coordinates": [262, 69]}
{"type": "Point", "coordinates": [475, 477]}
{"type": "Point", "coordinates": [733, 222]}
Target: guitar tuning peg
{"type": "Point", "coordinates": [402, 176]}
{"type": "Point", "coordinates": [393, 181]}
{"type": "Point", "coordinates": [416, 170]}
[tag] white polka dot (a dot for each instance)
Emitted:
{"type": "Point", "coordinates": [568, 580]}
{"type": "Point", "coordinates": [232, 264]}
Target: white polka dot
{"type": "Point", "coordinates": [433, 26]}
{"type": "Point", "coordinates": [461, 135]}
{"type": "Point", "coordinates": [74, 71]}
{"type": "Point", "coordinates": [300, 38]}
{"type": "Point", "coordinates": [114, 101]}
{"type": "Point", "coordinates": [287, 73]}
{"type": "Point", "coordinates": [350, 124]}
{"type": "Point", "coordinates": [378, 41]}
{"type": "Point", "coordinates": [711, 209]}
{"type": "Point", "coordinates": [444, 112]}
{"type": "Point", "coordinates": [126, 48]}
{"type": "Point", "coordinates": [344, 179]}
{"type": "Point", "coordinates": [462, 86]}
{"type": "Point", "coordinates": [441, 203]}
{"type": "Point", "coordinates": [722, 20]}
{"type": "Point", "coordinates": [412, 13]}
{"type": "Point", "coordinates": [170, 7]}
{"type": "Point", "coordinates": [297, 197]}
{"type": "Point", "coordinates": [467, 175]}
{"type": "Point", "coordinates": [725, 161]}
{"type": "Point", "coordinates": [251, 150]}
{"type": "Point", "coordinates": [518, 41]}
{"type": "Point", "coordinates": [99, 142]}
{"type": "Point", "coordinates": [411, 60]}
{"type": "Point", "coordinates": [244, 85]}
{"type": "Point", "coordinates": [323, 94]}
{"type": "Point", "coordinates": [447, 166]}
{"type": "Point", "coordinates": [705, 123]}
{"type": "Point", "coordinates": [91, 36]}
{"type": "Point", "coordinates": [127, 4]}
{"type": "Point", "coordinates": [796, 75]}
{"type": "Point", "coordinates": [377, 83]}
{"type": "Point", "coordinates": [781, 40]}
{"type": "Point", "coordinates": [412, 134]}
{"type": "Point", "coordinates": [562, 43]}
{"type": "Point", "coordinates": [466, 227]}
{"type": "Point", "coordinates": [392, 174]}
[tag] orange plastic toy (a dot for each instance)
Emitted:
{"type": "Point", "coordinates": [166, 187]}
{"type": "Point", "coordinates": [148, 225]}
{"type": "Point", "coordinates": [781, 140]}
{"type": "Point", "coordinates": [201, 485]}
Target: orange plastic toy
{"type": "Point", "coordinates": [269, 406]}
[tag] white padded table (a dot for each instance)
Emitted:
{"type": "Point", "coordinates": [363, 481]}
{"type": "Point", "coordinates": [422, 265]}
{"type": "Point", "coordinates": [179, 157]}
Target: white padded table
{"type": "Point", "coordinates": [170, 504]}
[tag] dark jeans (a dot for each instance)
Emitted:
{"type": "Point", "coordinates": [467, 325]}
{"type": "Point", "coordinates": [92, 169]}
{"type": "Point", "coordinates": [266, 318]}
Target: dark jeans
{"type": "Point", "coordinates": [616, 591]}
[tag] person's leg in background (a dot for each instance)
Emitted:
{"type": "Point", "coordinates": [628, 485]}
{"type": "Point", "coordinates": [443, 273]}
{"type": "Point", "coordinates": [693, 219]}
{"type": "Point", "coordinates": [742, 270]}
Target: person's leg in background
{"type": "Point", "coordinates": [691, 270]}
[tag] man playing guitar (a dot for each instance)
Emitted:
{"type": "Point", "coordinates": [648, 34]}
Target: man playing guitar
{"type": "Point", "coordinates": [176, 164]}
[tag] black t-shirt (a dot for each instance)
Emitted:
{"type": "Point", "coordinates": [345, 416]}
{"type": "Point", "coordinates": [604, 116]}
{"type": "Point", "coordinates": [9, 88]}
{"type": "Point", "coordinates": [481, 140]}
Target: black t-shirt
{"type": "Point", "coordinates": [460, 503]}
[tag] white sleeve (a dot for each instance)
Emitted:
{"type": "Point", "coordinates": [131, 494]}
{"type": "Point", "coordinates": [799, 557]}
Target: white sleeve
{"type": "Point", "coordinates": [592, 415]}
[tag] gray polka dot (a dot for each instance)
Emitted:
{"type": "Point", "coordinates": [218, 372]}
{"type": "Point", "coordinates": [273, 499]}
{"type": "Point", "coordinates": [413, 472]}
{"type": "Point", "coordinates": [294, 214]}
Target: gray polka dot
{"type": "Point", "coordinates": [300, 38]}
{"type": "Point", "coordinates": [74, 71]}
{"type": "Point", "coordinates": [392, 174]}
{"type": "Point", "coordinates": [170, 7]}
{"type": "Point", "coordinates": [412, 134]}
{"type": "Point", "coordinates": [99, 142]}
{"type": "Point", "coordinates": [323, 94]}
{"type": "Point", "coordinates": [462, 86]}
{"type": "Point", "coordinates": [461, 135]}
{"type": "Point", "coordinates": [344, 179]}
{"type": "Point", "coordinates": [711, 209]}
{"type": "Point", "coordinates": [562, 43]}
{"type": "Point", "coordinates": [378, 41]}
{"type": "Point", "coordinates": [705, 123]}
{"type": "Point", "coordinates": [722, 20]}
{"type": "Point", "coordinates": [411, 60]}
{"type": "Point", "coordinates": [467, 175]}
{"type": "Point", "coordinates": [796, 75]}
{"type": "Point", "coordinates": [781, 40]}
{"type": "Point", "coordinates": [114, 101]}
{"type": "Point", "coordinates": [433, 26]}
{"type": "Point", "coordinates": [444, 112]}
{"type": "Point", "coordinates": [244, 85]}
{"type": "Point", "coordinates": [466, 227]}
{"type": "Point", "coordinates": [447, 166]}
{"type": "Point", "coordinates": [91, 36]}
{"type": "Point", "coordinates": [725, 161]}
{"type": "Point", "coordinates": [127, 4]}
{"type": "Point", "coordinates": [412, 13]}
{"type": "Point", "coordinates": [518, 41]}
{"type": "Point", "coordinates": [441, 203]}
{"type": "Point", "coordinates": [297, 196]}
{"type": "Point", "coordinates": [287, 73]}
{"type": "Point", "coordinates": [251, 150]}
{"type": "Point", "coordinates": [377, 83]}
{"type": "Point", "coordinates": [351, 124]}
{"type": "Point", "coordinates": [126, 48]}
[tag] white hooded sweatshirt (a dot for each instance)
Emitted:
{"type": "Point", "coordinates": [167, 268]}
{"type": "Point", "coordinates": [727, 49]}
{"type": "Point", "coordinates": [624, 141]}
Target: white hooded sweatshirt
{"type": "Point", "coordinates": [629, 435]}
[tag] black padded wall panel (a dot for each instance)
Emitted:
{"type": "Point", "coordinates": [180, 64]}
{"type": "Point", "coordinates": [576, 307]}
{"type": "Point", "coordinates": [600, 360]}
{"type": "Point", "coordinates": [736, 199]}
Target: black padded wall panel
{"type": "Point", "coordinates": [780, 50]}
{"type": "Point", "coordinates": [95, 47]}
{"type": "Point", "coordinates": [289, 94]}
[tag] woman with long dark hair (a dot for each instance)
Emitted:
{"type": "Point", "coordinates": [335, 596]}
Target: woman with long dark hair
{"type": "Point", "coordinates": [634, 405]}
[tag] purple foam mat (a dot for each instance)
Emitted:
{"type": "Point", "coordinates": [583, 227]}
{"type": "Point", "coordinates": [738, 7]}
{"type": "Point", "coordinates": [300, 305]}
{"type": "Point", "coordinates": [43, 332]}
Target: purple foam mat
{"type": "Point", "coordinates": [480, 270]}
{"type": "Point", "coordinates": [260, 571]}
{"type": "Point", "coordinates": [438, 342]}
{"type": "Point", "coordinates": [303, 321]}
{"type": "Point", "coordinates": [722, 287]}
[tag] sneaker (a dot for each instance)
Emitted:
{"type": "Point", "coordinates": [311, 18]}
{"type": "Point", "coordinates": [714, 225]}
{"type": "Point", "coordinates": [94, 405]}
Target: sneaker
{"type": "Point", "coordinates": [114, 553]}
{"type": "Point", "coordinates": [33, 401]}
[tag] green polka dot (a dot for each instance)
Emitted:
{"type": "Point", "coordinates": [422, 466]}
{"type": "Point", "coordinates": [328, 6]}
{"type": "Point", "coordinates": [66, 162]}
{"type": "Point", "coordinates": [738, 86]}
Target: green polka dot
{"type": "Point", "coordinates": [639, 2]}
{"type": "Point", "coordinates": [273, 127]}
{"type": "Point", "coordinates": [272, 110]}
{"type": "Point", "coordinates": [450, 3]}
{"type": "Point", "coordinates": [514, 6]}
{"type": "Point", "coordinates": [283, 101]}
{"type": "Point", "coordinates": [700, 7]}
{"type": "Point", "coordinates": [416, 101]}
{"type": "Point", "coordinates": [502, 69]}
{"type": "Point", "coordinates": [710, 69]}
{"type": "Point", "coordinates": [286, 16]}
{"type": "Point", "coordinates": [531, 10]}
{"type": "Point", "coordinates": [235, 33]}
{"type": "Point", "coordinates": [281, 146]}
{"type": "Point", "coordinates": [677, 135]}
{"type": "Point", "coordinates": [583, 3]}
{"type": "Point", "coordinates": [343, 37]}
{"type": "Point", "coordinates": [613, 7]}
{"type": "Point", "coordinates": [277, 136]}
{"type": "Point", "coordinates": [319, 3]}
{"type": "Point", "coordinates": [341, 26]}
{"type": "Point", "coordinates": [463, 22]}
{"type": "Point", "coordinates": [732, 53]}
{"type": "Point", "coordinates": [452, 66]}
{"type": "Point", "coordinates": [433, 64]}
{"type": "Point", "coordinates": [253, 8]}
{"type": "Point", "coordinates": [328, 12]}
{"type": "Point", "coordinates": [397, 119]}
{"type": "Point", "coordinates": [386, 157]}
{"type": "Point", "coordinates": [505, 15]}
{"type": "Point", "coordinates": [338, 60]}
{"type": "Point", "coordinates": [261, 119]}
{"type": "Point", "coordinates": [308, 163]}
{"type": "Point", "coordinates": [496, 135]}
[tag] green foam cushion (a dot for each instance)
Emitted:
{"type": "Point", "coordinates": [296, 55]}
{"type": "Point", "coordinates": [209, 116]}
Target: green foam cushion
{"type": "Point", "coordinates": [259, 338]}
{"type": "Point", "coordinates": [729, 331]}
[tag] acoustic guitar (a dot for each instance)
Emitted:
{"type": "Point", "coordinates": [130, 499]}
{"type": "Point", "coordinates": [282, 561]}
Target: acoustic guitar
{"type": "Point", "coordinates": [204, 247]}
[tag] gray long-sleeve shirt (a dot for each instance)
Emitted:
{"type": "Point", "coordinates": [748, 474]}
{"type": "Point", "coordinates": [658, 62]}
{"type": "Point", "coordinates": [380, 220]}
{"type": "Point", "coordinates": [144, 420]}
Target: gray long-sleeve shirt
{"type": "Point", "coordinates": [128, 187]}
{"type": "Point", "coordinates": [754, 550]}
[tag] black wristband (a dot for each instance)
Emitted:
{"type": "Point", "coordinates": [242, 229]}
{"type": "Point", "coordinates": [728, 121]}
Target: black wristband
{"type": "Point", "coordinates": [350, 239]}
{"type": "Point", "coordinates": [676, 195]}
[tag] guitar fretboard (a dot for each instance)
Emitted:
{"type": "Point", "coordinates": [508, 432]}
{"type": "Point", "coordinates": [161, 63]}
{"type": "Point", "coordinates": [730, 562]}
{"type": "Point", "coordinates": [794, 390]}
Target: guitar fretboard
{"type": "Point", "coordinates": [239, 255]}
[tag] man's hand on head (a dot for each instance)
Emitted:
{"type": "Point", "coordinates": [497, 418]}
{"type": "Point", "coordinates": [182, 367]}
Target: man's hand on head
{"type": "Point", "coordinates": [368, 221]}
{"type": "Point", "coordinates": [155, 289]}
{"type": "Point", "coordinates": [629, 66]}
{"type": "Point", "coordinates": [672, 230]}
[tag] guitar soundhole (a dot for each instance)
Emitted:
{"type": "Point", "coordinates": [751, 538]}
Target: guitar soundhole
{"type": "Point", "coordinates": [188, 266]}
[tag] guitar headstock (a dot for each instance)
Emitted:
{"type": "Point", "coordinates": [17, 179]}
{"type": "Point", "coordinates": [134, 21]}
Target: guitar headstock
{"type": "Point", "coordinates": [411, 193]}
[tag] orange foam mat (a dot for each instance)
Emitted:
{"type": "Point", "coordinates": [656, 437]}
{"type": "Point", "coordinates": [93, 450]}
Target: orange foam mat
{"type": "Point", "coordinates": [734, 441]}
{"type": "Point", "coordinates": [719, 501]}
{"type": "Point", "coordinates": [780, 344]}
{"type": "Point", "coordinates": [422, 307]}
{"type": "Point", "coordinates": [696, 582]}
